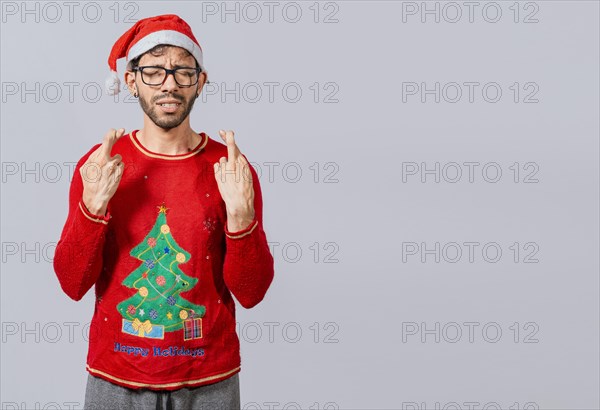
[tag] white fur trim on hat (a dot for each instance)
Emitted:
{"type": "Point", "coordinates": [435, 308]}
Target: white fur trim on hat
{"type": "Point", "coordinates": [113, 84]}
{"type": "Point", "coordinates": [170, 37]}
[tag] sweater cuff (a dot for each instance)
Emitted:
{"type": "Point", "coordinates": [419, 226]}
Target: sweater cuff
{"type": "Point", "coordinates": [244, 232]}
{"type": "Point", "coordinates": [95, 218]}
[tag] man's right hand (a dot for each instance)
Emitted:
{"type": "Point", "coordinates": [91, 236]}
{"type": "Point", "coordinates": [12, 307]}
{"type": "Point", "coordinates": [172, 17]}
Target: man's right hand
{"type": "Point", "coordinates": [101, 174]}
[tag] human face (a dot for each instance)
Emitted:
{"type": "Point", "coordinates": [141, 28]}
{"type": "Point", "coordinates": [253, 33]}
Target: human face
{"type": "Point", "coordinates": [168, 105]}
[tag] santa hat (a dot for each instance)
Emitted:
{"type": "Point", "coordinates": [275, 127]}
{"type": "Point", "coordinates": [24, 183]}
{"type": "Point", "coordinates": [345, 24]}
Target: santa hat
{"type": "Point", "coordinates": [146, 34]}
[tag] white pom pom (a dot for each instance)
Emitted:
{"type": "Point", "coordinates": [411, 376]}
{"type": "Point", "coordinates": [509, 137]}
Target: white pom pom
{"type": "Point", "coordinates": [113, 84]}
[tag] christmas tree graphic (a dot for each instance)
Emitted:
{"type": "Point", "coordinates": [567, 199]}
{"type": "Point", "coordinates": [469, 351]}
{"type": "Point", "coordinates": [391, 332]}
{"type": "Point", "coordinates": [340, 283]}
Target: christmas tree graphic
{"type": "Point", "coordinates": [157, 306]}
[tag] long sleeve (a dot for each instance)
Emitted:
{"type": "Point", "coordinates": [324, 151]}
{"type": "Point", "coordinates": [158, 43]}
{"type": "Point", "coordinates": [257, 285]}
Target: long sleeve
{"type": "Point", "coordinates": [249, 266]}
{"type": "Point", "coordinates": [78, 255]}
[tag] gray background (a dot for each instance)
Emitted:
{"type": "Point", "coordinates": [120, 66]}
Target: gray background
{"type": "Point", "coordinates": [362, 290]}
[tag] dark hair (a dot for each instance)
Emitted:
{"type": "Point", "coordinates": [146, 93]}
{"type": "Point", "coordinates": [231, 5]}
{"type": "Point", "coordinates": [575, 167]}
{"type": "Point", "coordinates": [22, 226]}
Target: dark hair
{"type": "Point", "coordinates": [156, 51]}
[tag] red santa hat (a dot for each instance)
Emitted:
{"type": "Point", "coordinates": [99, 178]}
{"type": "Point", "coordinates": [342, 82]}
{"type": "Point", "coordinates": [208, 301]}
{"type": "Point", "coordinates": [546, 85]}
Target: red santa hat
{"type": "Point", "coordinates": [146, 34]}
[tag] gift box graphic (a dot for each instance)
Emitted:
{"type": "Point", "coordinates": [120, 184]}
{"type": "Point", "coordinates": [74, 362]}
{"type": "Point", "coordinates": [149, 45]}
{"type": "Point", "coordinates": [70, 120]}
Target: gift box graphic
{"type": "Point", "coordinates": [192, 329]}
{"type": "Point", "coordinates": [143, 329]}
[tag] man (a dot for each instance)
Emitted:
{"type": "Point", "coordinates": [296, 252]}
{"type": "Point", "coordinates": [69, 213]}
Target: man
{"type": "Point", "coordinates": [167, 224]}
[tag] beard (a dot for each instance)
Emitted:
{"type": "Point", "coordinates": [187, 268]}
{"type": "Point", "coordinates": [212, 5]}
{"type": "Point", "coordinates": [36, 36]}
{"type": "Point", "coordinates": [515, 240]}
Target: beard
{"type": "Point", "coordinates": [164, 120]}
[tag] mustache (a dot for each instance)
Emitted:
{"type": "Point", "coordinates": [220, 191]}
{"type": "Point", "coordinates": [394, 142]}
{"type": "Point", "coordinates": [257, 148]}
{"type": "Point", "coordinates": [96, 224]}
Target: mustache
{"type": "Point", "coordinates": [173, 96]}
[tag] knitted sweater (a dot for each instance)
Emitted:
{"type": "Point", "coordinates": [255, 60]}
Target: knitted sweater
{"type": "Point", "coordinates": [165, 268]}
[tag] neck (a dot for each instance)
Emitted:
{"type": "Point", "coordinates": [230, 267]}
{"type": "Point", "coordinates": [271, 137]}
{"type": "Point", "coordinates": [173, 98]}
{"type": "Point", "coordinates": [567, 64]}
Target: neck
{"type": "Point", "coordinates": [179, 140]}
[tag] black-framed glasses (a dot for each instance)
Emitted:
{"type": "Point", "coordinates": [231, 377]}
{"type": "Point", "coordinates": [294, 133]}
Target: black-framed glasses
{"type": "Point", "coordinates": [184, 76]}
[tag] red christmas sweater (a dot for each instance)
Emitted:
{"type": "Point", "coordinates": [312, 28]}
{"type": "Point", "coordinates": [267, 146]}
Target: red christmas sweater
{"type": "Point", "coordinates": [165, 268]}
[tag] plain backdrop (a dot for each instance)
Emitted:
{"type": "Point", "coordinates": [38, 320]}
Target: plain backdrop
{"type": "Point", "coordinates": [430, 195]}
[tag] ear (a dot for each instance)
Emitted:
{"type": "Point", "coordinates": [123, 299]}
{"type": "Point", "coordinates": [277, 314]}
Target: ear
{"type": "Point", "coordinates": [201, 82]}
{"type": "Point", "coordinates": [130, 81]}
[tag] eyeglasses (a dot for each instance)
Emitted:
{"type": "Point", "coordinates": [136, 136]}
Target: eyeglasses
{"type": "Point", "coordinates": [184, 76]}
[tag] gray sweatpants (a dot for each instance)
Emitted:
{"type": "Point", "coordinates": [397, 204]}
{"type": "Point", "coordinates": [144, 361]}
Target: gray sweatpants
{"type": "Point", "coordinates": [101, 394]}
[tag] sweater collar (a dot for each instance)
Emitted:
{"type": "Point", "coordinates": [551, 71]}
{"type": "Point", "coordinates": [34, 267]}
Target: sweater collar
{"type": "Point", "coordinates": [173, 157]}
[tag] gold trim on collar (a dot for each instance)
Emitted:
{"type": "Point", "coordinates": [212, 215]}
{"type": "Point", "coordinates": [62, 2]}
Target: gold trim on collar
{"type": "Point", "coordinates": [148, 153]}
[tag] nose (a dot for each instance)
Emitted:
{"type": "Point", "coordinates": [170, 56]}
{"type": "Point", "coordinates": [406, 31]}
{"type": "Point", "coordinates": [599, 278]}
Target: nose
{"type": "Point", "coordinates": [169, 84]}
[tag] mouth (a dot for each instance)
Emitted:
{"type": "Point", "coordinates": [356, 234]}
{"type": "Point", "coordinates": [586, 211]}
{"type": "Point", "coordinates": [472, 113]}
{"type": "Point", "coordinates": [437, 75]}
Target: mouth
{"type": "Point", "coordinates": [169, 106]}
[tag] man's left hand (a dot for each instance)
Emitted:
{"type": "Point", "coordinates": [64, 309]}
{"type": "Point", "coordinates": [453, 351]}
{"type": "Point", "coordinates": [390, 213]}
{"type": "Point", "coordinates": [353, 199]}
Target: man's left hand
{"type": "Point", "coordinates": [234, 180]}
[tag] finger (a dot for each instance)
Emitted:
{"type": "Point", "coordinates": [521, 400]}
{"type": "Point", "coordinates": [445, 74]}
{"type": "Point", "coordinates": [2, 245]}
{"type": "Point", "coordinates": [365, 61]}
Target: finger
{"type": "Point", "coordinates": [242, 159]}
{"type": "Point", "coordinates": [109, 140]}
{"type": "Point", "coordinates": [229, 163]}
{"type": "Point", "coordinates": [97, 151]}
{"type": "Point", "coordinates": [110, 165]}
{"type": "Point", "coordinates": [223, 165]}
{"type": "Point", "coordinates": [219, 171]}
{"type": "Point", "coordinates": [119, 171]}
{"type": "Point", "coordinates": [228, 137]}
{"type": "Point", "coordinates": [241, 172]}
{"type": "Point", "coordinates": [237, 152]}
{"type": "Point", "coordinates": [115, 170]}
{"type": "Point", "coordinates": [120, 132]}
{"type": "Point", "coordinates": [94, 157]}
{"type": "Point", "coordinates": [245, 165]}
{"type": "Point", "coordinates": [223, 170]}
{"type": "Point", "coordinates": [106, 144]}
{"type": "Point", "coordinates": [233, 151]}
